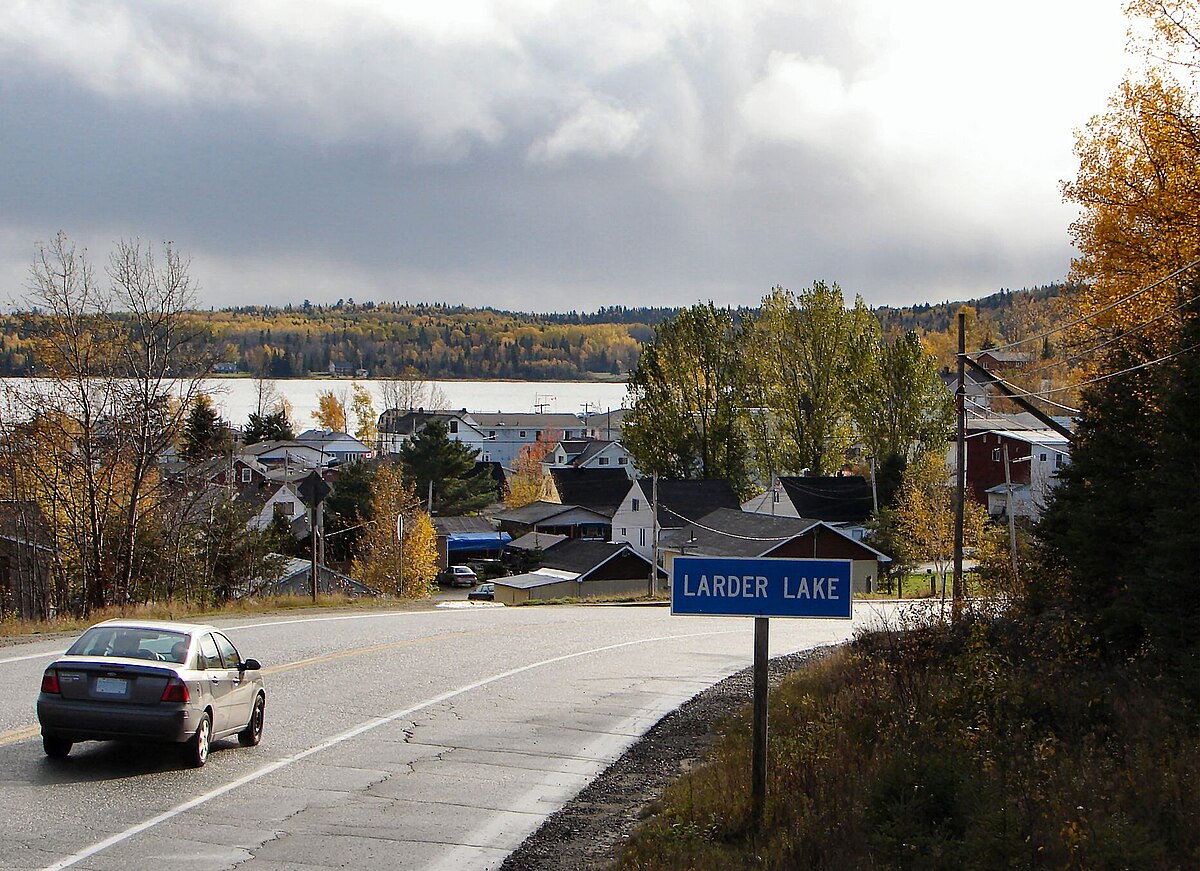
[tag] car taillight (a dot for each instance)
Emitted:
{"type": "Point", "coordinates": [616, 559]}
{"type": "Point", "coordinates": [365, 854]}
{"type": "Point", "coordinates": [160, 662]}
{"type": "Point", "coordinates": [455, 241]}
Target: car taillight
{"type": "Point", "coordinates": [175, 691]}
{"type": "Point", "coordinates": [50, 682]}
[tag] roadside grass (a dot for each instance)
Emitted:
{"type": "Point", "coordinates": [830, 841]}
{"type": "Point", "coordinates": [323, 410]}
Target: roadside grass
{"type": "Point", "coordinates": [13, 628]}
{"type": "Point", "coordinates": [995, 744]}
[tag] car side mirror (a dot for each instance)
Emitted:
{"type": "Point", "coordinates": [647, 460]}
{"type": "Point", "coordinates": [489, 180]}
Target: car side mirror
{"type": "Point", "coordinates": [251, 665]}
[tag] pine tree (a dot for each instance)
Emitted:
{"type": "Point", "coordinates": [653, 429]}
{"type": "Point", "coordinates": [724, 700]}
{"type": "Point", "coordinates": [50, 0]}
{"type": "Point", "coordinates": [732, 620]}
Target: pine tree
{"type": "Point", "coordinates": [431, 456]}
{"type": "Point", "coordinates": [269, 427]}
{"type": "Point", "coordinates": [204, 434]}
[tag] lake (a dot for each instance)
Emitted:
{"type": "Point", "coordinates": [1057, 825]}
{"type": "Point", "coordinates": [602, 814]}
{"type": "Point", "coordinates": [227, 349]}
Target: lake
{"type": "Point", "coordinates": [235, 398]}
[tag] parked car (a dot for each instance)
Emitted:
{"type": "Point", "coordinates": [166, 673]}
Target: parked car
{"type": "Point", "coordinates": [151, 681]}
{"type": "Point", "coordinates": [457, 576]}
{"type": "Point", "coordinates": [483, 593]}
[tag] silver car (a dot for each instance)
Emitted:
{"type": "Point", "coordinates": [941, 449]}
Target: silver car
{"type": "Point", "coordinates": [136, 680]}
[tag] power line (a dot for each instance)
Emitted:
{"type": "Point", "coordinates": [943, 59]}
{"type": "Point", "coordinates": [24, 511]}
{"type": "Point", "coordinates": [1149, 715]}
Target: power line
{"type": "Point", "coordinates": [1099, 311]}
{"type": "Point", "coordinates": [1148, 363]}
{"type": "Point", "coordinates": [1105, 344]}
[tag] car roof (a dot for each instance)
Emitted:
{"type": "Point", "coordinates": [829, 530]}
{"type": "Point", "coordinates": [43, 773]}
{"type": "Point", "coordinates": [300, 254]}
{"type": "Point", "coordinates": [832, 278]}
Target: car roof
{"type": "Point", "coordinates": [167, 625]}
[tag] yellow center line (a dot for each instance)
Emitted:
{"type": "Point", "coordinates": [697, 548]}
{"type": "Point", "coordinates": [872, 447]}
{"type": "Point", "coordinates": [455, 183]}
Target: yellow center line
{"type": "Point", "coordinates": [27, 732]}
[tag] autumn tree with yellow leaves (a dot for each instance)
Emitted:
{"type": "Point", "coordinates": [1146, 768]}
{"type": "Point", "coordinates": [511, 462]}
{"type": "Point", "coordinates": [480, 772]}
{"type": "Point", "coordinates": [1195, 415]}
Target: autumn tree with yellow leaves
{"type": "Point", "coordinates": [404, 568]}
{"type": "Point", "coordinates": [529, 480]}
{"type": "Point", "coordinates": [1138, 184]}
{"type": "Point", "coordinates": [331, 411]}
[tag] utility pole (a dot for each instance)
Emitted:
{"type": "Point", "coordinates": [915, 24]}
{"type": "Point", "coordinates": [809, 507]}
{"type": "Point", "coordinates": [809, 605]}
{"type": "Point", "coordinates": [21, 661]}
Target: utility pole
{"type": "Point", "coordinates": [960, 471]}
{"type": "Point", "coordinates": [1008, 508]}
{"type": "Point", "coordinates": [874, 489]}
{"type": "Point", "coordinates": [653, 534]}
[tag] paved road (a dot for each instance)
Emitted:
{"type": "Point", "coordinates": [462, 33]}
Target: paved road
{"type": "Point", "coordinates": [435, 739]}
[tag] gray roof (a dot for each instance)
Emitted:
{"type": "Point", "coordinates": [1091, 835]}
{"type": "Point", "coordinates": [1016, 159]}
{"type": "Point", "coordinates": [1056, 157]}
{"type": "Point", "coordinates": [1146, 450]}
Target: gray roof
{"type": "Point", "coordinates": [531, 421]}
{"type": "Point", "coordinates": [681, 501]}
{"type": "Point", "coordinates": [577, 555]}
{"type": "Point", "coordinates": [745, 533]}
{"type": "Point", "coordinates": [448, 525]}
{"type": "Point", "coordinates": [534, 512]}
{"type": "Point", "coordinates": [601, 490]}
{"type": "Point", "coordinates": [536, 541]}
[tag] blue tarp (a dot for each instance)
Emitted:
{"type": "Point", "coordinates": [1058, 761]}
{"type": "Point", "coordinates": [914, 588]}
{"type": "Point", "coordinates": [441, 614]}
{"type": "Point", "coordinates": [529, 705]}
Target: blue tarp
{"type": "Point", "coordinates": [458, 542]}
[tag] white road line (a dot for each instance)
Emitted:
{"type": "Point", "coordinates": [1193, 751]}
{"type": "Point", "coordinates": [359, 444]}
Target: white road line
{"type": "Point", "coordinates": [360, 729]}
{"type": "Point", "coordinates": [49, 655]}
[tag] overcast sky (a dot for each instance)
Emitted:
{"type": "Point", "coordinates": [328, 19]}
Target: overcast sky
{"type": "Point", "coordinates": [540, 155]}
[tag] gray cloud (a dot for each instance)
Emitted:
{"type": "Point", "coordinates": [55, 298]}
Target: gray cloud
{"type": "Point", "coordinates": [541, 156]}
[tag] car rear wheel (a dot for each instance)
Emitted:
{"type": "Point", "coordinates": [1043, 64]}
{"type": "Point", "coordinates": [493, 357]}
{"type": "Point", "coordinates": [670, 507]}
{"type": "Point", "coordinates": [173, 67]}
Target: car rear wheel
{"type": "Point", "coordinates": [55, 747]}
{"type": "Point", "coordinates": [252, 734]}
{"type": "Point", "coordinates": [195, 750]}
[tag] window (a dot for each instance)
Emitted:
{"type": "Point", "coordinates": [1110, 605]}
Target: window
{"type": "Point", "coordinates": [454, 426]}
{"type": "Point", "coordinates": [1042, 457]}
{"type": "Point", "coordinates": [491, 433]}
{"type": "Point", "coordinates": [209, 657]}
{"type": "Point", "coordinates": [1058, 461]}
{"type": "Point", "coordinates": [228, 652]}
{"type": "Point", "coordinates": [286, 510]}
{"type": "Point", "coordinates": [624, 532]}
{"type": "Point", "coordinates": [642, 537]}
{"type": "Point", "coordinates": [247, 475]}
{"type": "Point", "coordinates": [621, 461]}
{"type": "Point", "coordinates": [522, 433]}
{"type": "Point", "coordinates": [603, 461]}
{"type": "Point", "coordinates": [637, 505]}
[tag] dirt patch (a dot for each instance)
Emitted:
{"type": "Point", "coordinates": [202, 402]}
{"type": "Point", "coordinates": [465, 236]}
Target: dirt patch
{"type": "Point", "coordinates": [589, 831]}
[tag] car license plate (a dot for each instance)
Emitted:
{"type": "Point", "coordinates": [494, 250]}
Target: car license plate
{"type": "Point", "coordinates": [111, 686]}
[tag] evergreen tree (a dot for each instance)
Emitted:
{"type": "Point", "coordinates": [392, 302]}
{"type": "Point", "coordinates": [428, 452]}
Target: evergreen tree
{"type": "Point", "coordinates": [269, 427]}
{"type": "Point", "coordinates": [349, 505]}
{"type": "Point", "coordinates": [431, 456]}
{"type": "Point", "coordinates": [204, 434]}
{"type": "Point", "coordinates": [1100, 515]}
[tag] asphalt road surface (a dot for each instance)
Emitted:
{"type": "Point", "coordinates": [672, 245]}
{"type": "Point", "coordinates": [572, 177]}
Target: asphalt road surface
{"type": "Point", "coordinates": [433, 739]}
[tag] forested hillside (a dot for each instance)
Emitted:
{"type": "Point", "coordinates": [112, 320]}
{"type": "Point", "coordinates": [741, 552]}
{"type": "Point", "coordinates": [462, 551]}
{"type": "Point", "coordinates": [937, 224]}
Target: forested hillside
{"type": "Point", "coordinates": [446, 342]}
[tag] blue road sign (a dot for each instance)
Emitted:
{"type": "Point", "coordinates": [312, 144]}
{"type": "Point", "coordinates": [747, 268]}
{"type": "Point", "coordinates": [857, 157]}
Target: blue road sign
{"type": "Point", "coordinates": [743, 587]}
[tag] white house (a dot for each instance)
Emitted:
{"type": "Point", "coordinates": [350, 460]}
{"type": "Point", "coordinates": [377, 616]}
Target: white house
{"type": "Point", "coordinates": [678, 502]}
{"type": "Point", "coordinates": [342, 447]}
{"type": "Point", "coordinates": [590, 453]}
{"type": "Point", "coordinates": [281, 500]}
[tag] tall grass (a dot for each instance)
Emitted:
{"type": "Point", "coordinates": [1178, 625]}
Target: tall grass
{"type": "Point", "coordinates": [996, 744]}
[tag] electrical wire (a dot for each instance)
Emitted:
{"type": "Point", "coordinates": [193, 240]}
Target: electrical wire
{"type": "Point", "coordinates": [699, 525]}
{"type": "Point", "coordinates": [1041, 393]}
{"type": "Point", "coordinates": [1108, 342]}
{"type": "Point", "coordinates": [1099, 311]}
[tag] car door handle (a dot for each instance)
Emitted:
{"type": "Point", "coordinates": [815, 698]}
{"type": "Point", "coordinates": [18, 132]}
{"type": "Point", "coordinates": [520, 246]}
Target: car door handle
{"type": "Point", "coordinates": [215, 679]}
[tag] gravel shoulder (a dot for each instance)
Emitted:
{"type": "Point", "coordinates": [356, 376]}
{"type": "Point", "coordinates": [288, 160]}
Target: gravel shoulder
{"type": "Point", "coordinates": [590, 830]}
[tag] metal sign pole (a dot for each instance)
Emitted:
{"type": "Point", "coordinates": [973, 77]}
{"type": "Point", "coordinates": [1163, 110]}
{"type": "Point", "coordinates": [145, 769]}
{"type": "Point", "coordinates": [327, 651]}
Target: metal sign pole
{"type": "Point", "coordinates": [758, 767]}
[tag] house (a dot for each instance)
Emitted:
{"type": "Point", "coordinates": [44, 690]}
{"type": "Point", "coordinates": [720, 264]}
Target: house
{"type": "Point", "coordinates": [834, 499]}
{"type": "Point", "coordinates": [1036, 455]}
{"type": "Point", "coordinates": [996, 360]}
{"type": "Point", "coordinates": [573, 521]}
{"type": "Point", "coordinates": [294, 578]}
{"type": "Point", "coordinates": [286, 454]}
{"type": "Point", "coordinates": [345, 370]}
{"type": "Point", "coordinates": [604, 424]}
{"type": "Point", "coordinates": [678, 502]}
{"type": "Point", "coordinates": [271, 501]}
{"type": "Point", "coordinates": [748, 534]}
{"type": "Point", "coordinates": [588, 453]}
{"type": "Point", "coordinates": [396, 427]}
{"type": "Point", "coordinates": [580, 569]}
{"type": "Point", "coordinates": [224, 368]}
{"type": "Point", "coordinates": [507, 433]}
{"type": "Point", "coordinates": [342, 447]}
{"type": "Point", "coordinates": [978, 390]}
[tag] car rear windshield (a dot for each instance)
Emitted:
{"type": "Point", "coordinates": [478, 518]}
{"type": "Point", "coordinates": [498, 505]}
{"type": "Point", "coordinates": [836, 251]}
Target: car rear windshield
{"type": "Point", "coordinates": [155, 644]}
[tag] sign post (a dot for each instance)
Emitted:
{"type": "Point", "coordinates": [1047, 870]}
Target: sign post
{"type": "Point", "coordinates": [760, 588]}
{"type": "Point", "coordinates": [313, 491]}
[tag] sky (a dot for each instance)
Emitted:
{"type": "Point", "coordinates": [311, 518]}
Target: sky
{"type": "Point", "coordinates": [536, 155]}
